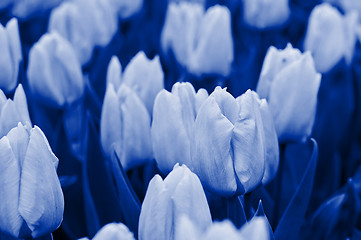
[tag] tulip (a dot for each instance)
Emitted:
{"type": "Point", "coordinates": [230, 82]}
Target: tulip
{"type": "Point", "coordinates": [125, 127]}
{"type": "Point", "coordinates": [172, 127]}
{"type": "Point", "coordinates": [222, 139]}
{"type": "Point", "coordinates": [180, 193]}
{"type": "Point", "coordinates": [13, 111]}
{"type": "Point", "coordinates": [290, 84]}
{"type": "Point", "coordinates": [11, 55]}
{"type": "Point", "coordinates": [144, 76]}
{"type": "Point", "coordinates": [201, 41]}
{"type": "Point", "coordinates": [330, 36]}
{"type": "Point", "coordinates": [127, 109]}
{"type": "Point", "coordinates": [228, 150]}
{"type": "Point", "coordinates": [263, 14]}
{"type": "Point", "coordinates": [25, 9]}
{"type": "Point", "coordinates": [112, 231]}
{"type": "Point", "coordinates": [32, 202]}
{"type": "Point", "coordinates": [256, 229]}
{"type": "Point", "coordinates": [54, 73]}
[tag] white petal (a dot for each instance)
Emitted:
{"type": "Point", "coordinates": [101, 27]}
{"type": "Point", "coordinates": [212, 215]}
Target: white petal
{"type": "Point", "coordinates": [114, 72]}
{"type": "Point", "coordinates": [113, 231]}
{"type": "Point", "coordinates": [211, 150]}
{"type": "Point", "coordinates": [21, 104]}
{"type": "Point", "coordinates": [256, 229]}
{"type": "Point", "coordinates": [41, 198]}
{"type": "Point", "coordinates": [9, 117]}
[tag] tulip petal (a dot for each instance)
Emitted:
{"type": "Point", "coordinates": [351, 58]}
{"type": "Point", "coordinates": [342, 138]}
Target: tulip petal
{"type": "Point", "coordinates": [169, 136]}
{"type": "Point", "coordinates": [6, 67]}
{"type": "Point", "coordinates": [201, 96]}
{"type": "Point", "coordinates": [21, 104]}
{"type": "Point", "coordinates": [136, 142]}
{"type": "Point", "coordinates": [10, 219]}
{"type": "Point", "coordinates": [19, 141]}
{"type": "Point", "coordinates": [227, 103]}
{"type": "Point", "coordinates": [256, 229]}
{"type": "Point", "coordinates": [111, 123]}
{"type": "Point", "coordinates": [145, 77]}
{"type": "Point", "coordinates": [113, 231]}
{"type": "Point", "coordinates": [114, 72]}
{"type": "Point", "coordinates": [271, 143]}
{"type": "Point", "coordinates": [41, 198]}
{"type": "Point", "coordinates": [247, 142]}
{"type": "Point", "coordinates": [222, 230]}
{"type": "Point", "coordinates": [9, 117]}
{"type": "Point", "coordinates": [211, 150]}
{"type": "Point", "coordinates": [293, 103]}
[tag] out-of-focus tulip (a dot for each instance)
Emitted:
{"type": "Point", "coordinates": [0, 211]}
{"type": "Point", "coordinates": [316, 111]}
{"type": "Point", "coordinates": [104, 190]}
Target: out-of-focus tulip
{"type": "Point", "coordinates": [127, 109]}
{"type": "Point", "coordinates": [201, 41]}
{"type": "Point", "coordinates": [330, 36]}
{"type": "Point", "coordinates": [113, 231]}
{"type": "Point", "coordinates": [222, 139]}
{"type": "Point", "coordinates": [125, 126]}
{"type": "Point", "coordinates": [25, 9]}
{"type": "Point", "coordinates": [180, 193]}
{"type": "Point", "coordinates": [256, 229]}
{"type": "Point", "coordinates": [11, 55]}
{"type": "Point", "coordinates": [265, 14]}
{"type": "Point", "coordinates": [290, 83]}
{"type": "Point", "coordinates": [32, 202]}
{"type": "Point", "coordinates": [145, 77]}
{"type": "Point", "coordinates": [13, 111]}
{"type": "Point", "coordinates": [54, 72]}
{"type": "Point", "coordinates": [89, 23]}
{"type": "Point", "coordinates": [172, 127]}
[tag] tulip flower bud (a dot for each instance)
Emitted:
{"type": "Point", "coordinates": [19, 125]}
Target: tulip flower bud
{"type": "Point", "coordinates": [54, 73]}
{"type": "Point", "coordinates": [196, 37]}
{"type": "Point", "coordinates": [330, 36]}
{"type": "Point", "coordinates": [13, 111]}
{"type": "Point", "coordinates": [180, 193]}
{"type": "Point", "coordinates": [125, 126]}
{"type": "Point", "coordinates": [290, 84]}
{"type": "Point", "coordinates": [228, 150]}
{"type": "Point", "coordinates": [256, 229]}
{"type": "Point", "coordinates": [172, 127]}
{"type": "Point", "coordinates": [32, 201]}
{"type": "Point", "coordinates": [113, 231]}
{"type": "Point", "coordinates": [265, 14]}
{"type": "Point", "coordinates": [11, 55]}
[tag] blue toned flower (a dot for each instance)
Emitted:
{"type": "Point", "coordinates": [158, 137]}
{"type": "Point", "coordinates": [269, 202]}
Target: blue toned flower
{"type": "Point", "coordinates": [179, 194]}
{"type": "Point", "coordinates": [222, 139]}
{"type": "Point", "coordinates": [256, 229]}
{"type": "Point", "coordinates": [290, 83]}
{"type": "Point", "coordinates": [13, 111]}
{"type": "Point", "coordinates": [228, 149]}
{"type": "Point", "coordinates": [265, 14]}
{"type": "Point", "coordinates": [143, 75]}
{"type": "Point", "coordinates": [201, 41]}
{"type": "Point", "coordinates": [11, 55]}
{"type": "Point", "coordinates": [32, 202]}
{"type": "Point", "coordinates": [54, 72]}
{"type": "Point", "coordinates": [113, 231]}
{"type": "Point", "coordinates": [173, 124]}
{"type": "Point", "coordinates": [127, 109]}
{"type": "Point", "coordinates": [126, 8]}
{"type": "Point", "coordinates": [25, 9]}
{"type": "Point", "coordinates": [330, 36]}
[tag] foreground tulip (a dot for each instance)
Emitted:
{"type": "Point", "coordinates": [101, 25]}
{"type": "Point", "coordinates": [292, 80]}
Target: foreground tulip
{"type": "Point", "coordinates": [54, 73]}
{"type": "Point", "coordinates": [113, 231]}
{"type": "Point", "coordinates": [290, 84]}
{"type": "Point", "coordinates": [201, 41]}
{"type": "Point", "coordinates": [180, 193]}
{"type": "Point", "coordinates": [256, 229]}
{"type": "Point", "coordinates": [11, 55]}
{"type": "Point", "coordinates": [265, 14]}
{"type": "Point", "coordinates": [32, 202]}
{"type": "Point", "coordinates": [330, 36]}
{"type": "Point", "coordinates": [13, 111]}
{"type": "Point", "coordinates": [222, 139]}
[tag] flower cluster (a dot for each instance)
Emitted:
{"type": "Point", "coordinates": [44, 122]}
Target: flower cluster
{"type": "Point", "coordinates": [180, 119]}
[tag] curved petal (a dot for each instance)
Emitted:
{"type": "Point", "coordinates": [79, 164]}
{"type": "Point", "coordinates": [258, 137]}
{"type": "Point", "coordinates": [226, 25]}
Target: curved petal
{"type": "Point", "coordinates": [211, 150]}
{"type": "Point", "coordinates": [21, 104]}
{"type": "Point", "coordinates": [169, 136]}
{"type": "Point", "coordinates": [10, 219]}
{"type": "Point", "coordinates": [9, 117]}
{"type": "Point", "coordinates": [248, 142]}
{"type": "Point", "coordinates": [41, 198]}
{"type": "Point", "coordinates": [114, 72]}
